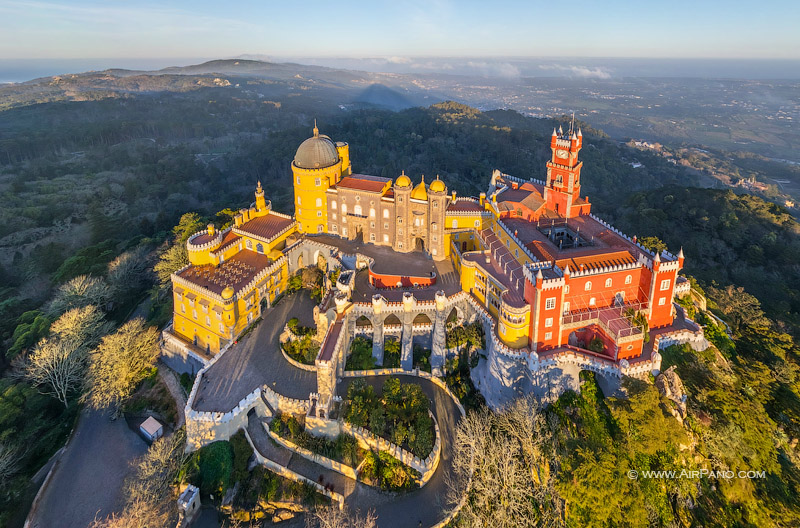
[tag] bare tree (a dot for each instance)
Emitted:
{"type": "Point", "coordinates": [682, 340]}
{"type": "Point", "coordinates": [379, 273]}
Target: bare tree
{"type": "Point", "coordinates": [82, 325]}
{"type": "Point", "coordinates": [155, 471]}
{"type": "Point", "coordinates": [9, 464]}
{"type": "Point", "coordinates": [333, 517]}
{"type": "Point", "coordinates": [56, 367]}
{"type": "Point", "coordinates": [119, 363]}
{"type": "Point", "coordinates": [129, 270]}
{"type": "Point", "coordinates": [81, 291]}
{"type": "Point", "coordinates": [137, 515]}
{"type": "Point", "coordinates": [501, 477]}
{"type": "Point", "coordinates": [171, 260]}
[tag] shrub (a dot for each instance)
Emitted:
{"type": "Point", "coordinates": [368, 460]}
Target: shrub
{"type": "Point", "coordinates": [360, 355]}
{"type": "Point", "coordinates": [210, 468]}
{"type": "Point", "coordinates": [241, 456]}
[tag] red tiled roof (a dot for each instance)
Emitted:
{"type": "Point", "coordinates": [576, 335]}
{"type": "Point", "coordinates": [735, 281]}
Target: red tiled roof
{"type": "Point", "coordinates": [363, 182]}
{"type": "Point", "coordinates": [265, 227]}
{"type": "Point", "coordinates": [465, 205]}
{"type": "Point", "coordinates": [235, 272]}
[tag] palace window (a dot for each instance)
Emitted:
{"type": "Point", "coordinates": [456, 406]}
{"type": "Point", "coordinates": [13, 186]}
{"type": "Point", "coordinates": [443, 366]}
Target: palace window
{"type": "Point", "coordinates": [319, 214]}
{"type": "Point", "coordinates": [434, 238]}
{"type": "Point", "coordinates": [194, 314]}
{"type": "Point", "coordinates": [299, 201]}
{"type": "Point", "coordinates": [608, 283]}
{"type": "Point", "coordinates": [454, 224]}
{"type": "Point", "coordinates": [260, 248]}
{"type": "Point", "coordinates": [592, 301]}
{"type": "Point", "coordinates": [386, 226]}
{"type": "Point", "coordinates": [249, 244]}
{"type": "Point", "coordinates": [183, 309]}
{"type": "Point", "coordinates": [298, 180]}
{"type": "Point", "coordinates": [548, 336]}
{"type": "Point", "coordinates": [588, 286]}
{"type": "Point", "coordinates": [662, 301]}
{"type": "Point", "coordinates": [372, 212]}
{"type": "Point", "coordinates": [334, 227]}
{"type": "Point", "coordinates": [548, 322]}
{"type": "Point", "coordinates": [333, 204]}
{"type": "Point", "coordinates": [334, 216]}
{"type": "Point", "coordinates": [477, 223]}
{"type": "Point", "coordinates": [357, 210]}
{"type": "Point", "coordinates": [400, 245]}
{"type": "Point", "coordinates": [435, 205]}
{"type": "Point", "coordinates": [358, 198]}
{"type": "Point", "coordinates": [550, 303]}
{"type": "Point", "coordinates": [628, 279]}
{"type": "Point", "coordinates": [319, 202]}
{"type": "Point", "coordinates": [386, 213]}
{"type": "Point", "coordinates": [665, 284]}
{"type": "Point", "coordinates": [372, 237]}
{"type": "Point", "coordinates": [317, 182]}
{"type": "Point", "coordinates": [320, 228]}
{"type": "Point", "coordinates": [208, 321]}
{"type": "Point", "coordinates": [372, 225]}
{"type": "Point", "coordinates": [344, 209]}
{"type": "Point", "coordinates": [221, 328]}
{"type": "Point", "coordinates": [386, 238]}
{"type": "Point", "coordinates": [344, 231]}
{"type": "Point", "coordinates": [516, 253]}
{"type": "Point", "coordinates": [433, 252]}
{"type": "Point", "coordinates": [566, 307]}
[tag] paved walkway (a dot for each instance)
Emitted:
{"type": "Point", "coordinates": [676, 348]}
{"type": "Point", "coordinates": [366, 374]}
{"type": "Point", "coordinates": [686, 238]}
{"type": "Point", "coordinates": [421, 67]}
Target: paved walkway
{"type": "Point", "coordinates": [175, 389]}
{"type": "Point", "coordinates": [88, 477]}
{"type": "Point", "coordinates": [257, 360]}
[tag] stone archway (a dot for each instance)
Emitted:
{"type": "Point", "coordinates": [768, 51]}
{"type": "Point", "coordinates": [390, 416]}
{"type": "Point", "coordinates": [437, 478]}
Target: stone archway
{"type": "Point", "coordinates": [422, 318]}
{"type": "Point", "coordinates": [419, 244]}
{"type": "Point", "coordinates": [300, 261]}
{"type": "Point", "coordinates": [392, 320]}
{"type": "Point", "coordinates": [364, 323]}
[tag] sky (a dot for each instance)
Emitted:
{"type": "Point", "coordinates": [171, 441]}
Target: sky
{"type": "Point", "coordinates": [398, 30]}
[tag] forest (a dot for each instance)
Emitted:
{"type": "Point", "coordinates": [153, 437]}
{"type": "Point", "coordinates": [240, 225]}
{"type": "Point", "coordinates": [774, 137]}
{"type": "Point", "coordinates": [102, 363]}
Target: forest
{"type": "Point", "coordinates": [82, 183]}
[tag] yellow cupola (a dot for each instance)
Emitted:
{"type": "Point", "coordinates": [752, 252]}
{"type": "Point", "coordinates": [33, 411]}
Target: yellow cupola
{"type": "Point", "coordinates": [403, 180]}
{"type": "Point", "coordinates": [227, 293]}
{"type": "Point", "coordinates": [420, 192]}
{"type": "Point", "coordinates": [437, 185]}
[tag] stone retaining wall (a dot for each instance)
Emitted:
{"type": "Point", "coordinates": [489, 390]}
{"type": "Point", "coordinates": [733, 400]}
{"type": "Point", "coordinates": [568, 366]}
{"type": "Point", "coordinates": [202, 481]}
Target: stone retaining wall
{"type": "Point", "coordinates": [291, 475]}
{"type": "Point", "coordinates": [426, 467]}
{"type": "Point", "coordinates": [325, 462]}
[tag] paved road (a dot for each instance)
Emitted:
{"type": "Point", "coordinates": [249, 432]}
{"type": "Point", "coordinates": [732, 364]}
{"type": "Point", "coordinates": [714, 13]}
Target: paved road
{"type": "Point", "coordinates": [256, 360]}
{"type": "Point", "coordinates": [88, 477]}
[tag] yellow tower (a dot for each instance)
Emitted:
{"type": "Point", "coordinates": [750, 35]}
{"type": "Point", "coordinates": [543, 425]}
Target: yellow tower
{"type": "Point", "coordinates": [318, 164]}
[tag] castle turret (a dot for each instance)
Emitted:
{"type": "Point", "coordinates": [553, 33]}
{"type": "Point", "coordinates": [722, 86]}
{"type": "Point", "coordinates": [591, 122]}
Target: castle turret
{"type": "Point", "coordinates": [317, 165]}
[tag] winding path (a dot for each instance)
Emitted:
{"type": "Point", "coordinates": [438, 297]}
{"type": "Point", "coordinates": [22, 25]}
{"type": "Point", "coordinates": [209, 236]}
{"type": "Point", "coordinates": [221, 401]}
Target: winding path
{"type": "Point", "coordinates": [258, 361]}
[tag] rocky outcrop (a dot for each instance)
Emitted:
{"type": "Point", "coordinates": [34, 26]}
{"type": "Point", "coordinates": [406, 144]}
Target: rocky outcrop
{"type": "Point", "coordinates": [669, 384]}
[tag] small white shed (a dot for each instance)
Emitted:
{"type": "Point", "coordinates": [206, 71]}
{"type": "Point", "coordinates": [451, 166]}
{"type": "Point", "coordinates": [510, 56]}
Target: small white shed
{"type": "Point", "coordinates": [152, 429]}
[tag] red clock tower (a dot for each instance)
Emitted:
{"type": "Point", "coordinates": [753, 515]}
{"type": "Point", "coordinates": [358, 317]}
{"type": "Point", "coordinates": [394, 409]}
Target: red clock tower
{"type": "Point", "coordinates": [563, 189]}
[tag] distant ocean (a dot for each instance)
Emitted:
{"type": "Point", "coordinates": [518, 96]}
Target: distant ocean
{"type": "Point", "coordinates": [21, 70]}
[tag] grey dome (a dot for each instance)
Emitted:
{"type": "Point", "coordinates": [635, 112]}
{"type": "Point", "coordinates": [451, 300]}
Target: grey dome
{"type": "Point", "coordinates": [316, 152]}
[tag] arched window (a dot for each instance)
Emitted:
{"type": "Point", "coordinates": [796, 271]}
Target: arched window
{"type": "Point", "coordinates": [588, 286]}
{"type": "Point", "coordinates": [299, 201]}
{"type": "Point", "coordinates": [608, 283]}
{"type": "Point", "coordinates": [592, 302]}
{"type": "Point", "coordinates": [249, 244]}
{"type": "Point", "coordinates": [454, 223]}
{"type": "Point", "coordinates": [320, 228]}
{"type": "Point", "coordinates": [357, 210]}
{"type": "Point", "coordinates": [372, 212]}
{"type": "Point", "coordinates": [344, 209]}
{"type": "Point", "coordinates": [319, 202]}
{"type": "Point", "coordinates": [386, 213]}
{"type": "Point", "coordinates": [260, 248]}
{"type": "Point", "coordinates": [628, 279]}
{"type": "Point", "coordinates": [333, 204]}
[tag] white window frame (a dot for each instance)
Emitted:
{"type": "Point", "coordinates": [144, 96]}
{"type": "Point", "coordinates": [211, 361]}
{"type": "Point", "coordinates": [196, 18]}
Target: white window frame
{"type": "Point", "coordinates": [550, 303]}
{"type": "Point", "coordinates": [548, 322]}
{"type": "Point", "coordinates": [665, 284]}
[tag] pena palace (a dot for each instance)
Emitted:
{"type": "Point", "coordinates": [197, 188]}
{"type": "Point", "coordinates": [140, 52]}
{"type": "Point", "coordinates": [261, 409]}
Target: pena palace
{"type": "Point", "coordinates": [552, 284]}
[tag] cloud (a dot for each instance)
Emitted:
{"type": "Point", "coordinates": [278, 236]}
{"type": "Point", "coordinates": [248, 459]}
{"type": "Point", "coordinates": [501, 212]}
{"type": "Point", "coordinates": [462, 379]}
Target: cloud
{"type": "Point", "coordinates": [494, 69]}
{"type": "Point", "coordinates": [578, 71]}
